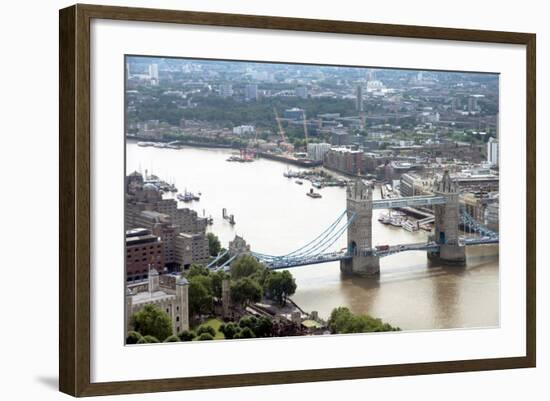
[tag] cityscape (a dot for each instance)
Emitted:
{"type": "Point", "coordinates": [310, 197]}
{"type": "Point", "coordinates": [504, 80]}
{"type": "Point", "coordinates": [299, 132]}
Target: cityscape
{"type": "Point", "coordinates": [272, 200]}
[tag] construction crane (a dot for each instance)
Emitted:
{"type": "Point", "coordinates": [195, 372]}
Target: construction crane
{"type": "Point", "coordinates": [281, 130]}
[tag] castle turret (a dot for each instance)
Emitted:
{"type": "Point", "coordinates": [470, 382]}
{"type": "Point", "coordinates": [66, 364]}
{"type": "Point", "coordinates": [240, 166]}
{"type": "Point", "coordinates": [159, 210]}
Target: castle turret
{"type": "Point", "coordinates": [226, 298]}
{"type": "Point", "coordinates": [128, 310]}
{"type": "Point", "coordinates": [181, 320]}
{"type": "Point", "coordinates": [153, 280]}
{"type": "Point", "coordinates": [359, 208]}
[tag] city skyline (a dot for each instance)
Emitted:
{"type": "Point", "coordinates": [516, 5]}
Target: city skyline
{"type": "Point", "coordinates": [276, 186]}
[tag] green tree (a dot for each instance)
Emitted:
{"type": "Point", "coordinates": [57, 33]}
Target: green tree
{"type": "Point", "coordinates": [245, 333]}
{"type": "Point", "coordinates": [261, 327]}
{"type": "Point", "coordinates": [248, 321]}
{"type": "Point", "coordinates": [186, 335]}
{"type": "Point", "coordinates": [151, 339]}
{"type": "Point", "coordinates": [245, 290]}
{"type": "Point", "coordinates": [197, 270]}
{"type": "Point", "coordinates": [206, 329]}
{"type": "Point", "coordinates": [342, 321]}
{"type": "Point", "coordinates": [200, 295]}
{"type": "Point", "coordinates": [217, 280]}
{"type": "Point", "coordinates": [264, 327]}
{"type": "Point", "coordinates": [172, 339]}
{"type": "Point", "coordinates": [152, 321]}
{"type": "Point", "coordinates": [245, 266]}
{"type": "Point", "coordinates": [229, 330]}
{"type": "Point", "coordinates": [280, 285]}
{"type": "Point", "coordinates": [205, 337]}
{"type": "Point", "coordinates": [214, 245]}
{"type": "Point", "coordinates": [133, 337]}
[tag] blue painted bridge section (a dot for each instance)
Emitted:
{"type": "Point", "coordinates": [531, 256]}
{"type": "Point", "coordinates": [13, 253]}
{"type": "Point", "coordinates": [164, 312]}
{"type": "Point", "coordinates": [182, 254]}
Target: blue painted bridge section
{"type": "Point", "coordinates": [320, 249]}
{"type": "Point", "coordinates": [317, 250]}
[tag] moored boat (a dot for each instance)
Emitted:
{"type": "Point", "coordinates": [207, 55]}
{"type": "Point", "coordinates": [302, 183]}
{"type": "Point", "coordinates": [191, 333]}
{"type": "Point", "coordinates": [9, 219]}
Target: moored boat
{"type": "Point", "coordinates": [313, 194]}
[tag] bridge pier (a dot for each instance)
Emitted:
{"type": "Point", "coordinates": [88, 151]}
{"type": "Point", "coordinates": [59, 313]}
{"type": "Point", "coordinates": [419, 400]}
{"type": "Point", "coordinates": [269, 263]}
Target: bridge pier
{"type": "Point", "coordinates": [361, 265]}
{"type": "Point", "coordinates": [449, 255]}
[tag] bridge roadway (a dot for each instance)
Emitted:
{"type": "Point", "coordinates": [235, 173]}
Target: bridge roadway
{"type": "Point", "coordinates": [411, 201]}
{"type": "Point", "coordinates": [432, 246]}
{"type": "Point", "coordinates": [284, 263]}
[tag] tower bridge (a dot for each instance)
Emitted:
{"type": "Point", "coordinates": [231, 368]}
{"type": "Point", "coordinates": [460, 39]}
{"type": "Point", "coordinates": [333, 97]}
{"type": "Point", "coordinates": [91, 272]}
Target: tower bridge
{"type": "Point", "coordinates": [360, 256]}
{"type": "Point", "coordinates": [411, 201]}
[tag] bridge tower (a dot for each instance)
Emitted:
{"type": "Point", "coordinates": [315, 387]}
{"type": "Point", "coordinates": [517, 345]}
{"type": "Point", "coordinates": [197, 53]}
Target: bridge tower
{"type": "Point", "coordinates": [447, 222]}
{"type": "Point", "coordinates": [359, 203]}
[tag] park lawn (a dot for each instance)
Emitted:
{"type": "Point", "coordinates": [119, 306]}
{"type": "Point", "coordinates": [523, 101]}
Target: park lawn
{"type": "Point", "coordinates": [214, 323]}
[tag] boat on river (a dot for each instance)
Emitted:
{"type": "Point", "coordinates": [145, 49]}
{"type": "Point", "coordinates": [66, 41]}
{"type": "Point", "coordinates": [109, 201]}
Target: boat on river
{"type": "Point", "coordinates": [313, 194]}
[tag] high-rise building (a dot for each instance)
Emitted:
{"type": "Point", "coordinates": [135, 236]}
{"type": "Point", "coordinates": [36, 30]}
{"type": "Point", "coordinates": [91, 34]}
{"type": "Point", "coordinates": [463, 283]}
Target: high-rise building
{"type": "Point", "coordinates": [301, 91]}
{"type": "Point", "coordinates": [472, 104]}
{"type": "Point", "coordinates": [359, 98]}
{"type": "Point", "coordinates": [154, 74]}
{"type": "Point", "coordinates": [191, 248]}
{"type": "Point", "coordinates": [492, 151]}
{"type": "Point", "coordinates": [226, 90]}
{"type": "Point", "coordinates": [345, 160]}
{"type": "Point", "coordinates": [316, 151]}
{"type": "Point", "coordinates": [251, 92]}
{"type": "Point", "coordinates": [144, 252]}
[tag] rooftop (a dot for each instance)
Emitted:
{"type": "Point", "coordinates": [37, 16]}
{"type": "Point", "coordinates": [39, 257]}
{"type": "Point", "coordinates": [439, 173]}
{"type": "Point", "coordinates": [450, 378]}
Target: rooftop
{"type": "Point", "coordinates": [146, 297]}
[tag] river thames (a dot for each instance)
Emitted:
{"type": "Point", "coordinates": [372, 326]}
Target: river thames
{"type": "Point", "coordinates": [275, 217]}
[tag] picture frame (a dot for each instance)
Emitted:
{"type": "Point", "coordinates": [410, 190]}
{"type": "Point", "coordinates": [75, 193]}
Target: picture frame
{"type": "Point", "coordinates": [76, 200]}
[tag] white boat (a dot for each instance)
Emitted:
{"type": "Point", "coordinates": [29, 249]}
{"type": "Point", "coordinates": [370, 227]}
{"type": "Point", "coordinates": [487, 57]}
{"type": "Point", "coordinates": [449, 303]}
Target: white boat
{"type": "Point", "coordinates": [396, 221]}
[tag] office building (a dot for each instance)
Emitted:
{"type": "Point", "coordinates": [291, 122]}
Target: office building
{"type": "Point", "coordinates": [316, 151]}
{"type": "Point", "coordinates": [251, 92]}
{"type": "Point", "coordinates": [144, 252]}
{"type": "Point", "coordinates": [492, 151]}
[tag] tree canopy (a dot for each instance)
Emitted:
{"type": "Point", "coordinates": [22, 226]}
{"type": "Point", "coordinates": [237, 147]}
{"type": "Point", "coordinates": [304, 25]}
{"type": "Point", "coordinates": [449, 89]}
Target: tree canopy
{"type": "Point", "coordinates": [280, 285]}
{"type": "Point", "coordinates": [172, 339]}
{"type": "Point", "coordinates": [245, 266]}
{"type": "Point", "coordinates": [343, 321]}
{"type": "Point", "coordinates": [214, 245]}
{"type": "Point", "coordinates": [133, 337]}
{"type": "Point", "coordinates": [245, 290]}
{"type": "Point", "coordinates": [205, 337]}
{"type": "Point", "coordinates": [216, 281]}
{"type": "Point", "coordinates": [152, 321]}
{"type": "Point", "coordinates": [197, 270]}
{"type": "Point", "coordinates": [200, 295]}
{"type": "Point", "coordinates": [186, 335]}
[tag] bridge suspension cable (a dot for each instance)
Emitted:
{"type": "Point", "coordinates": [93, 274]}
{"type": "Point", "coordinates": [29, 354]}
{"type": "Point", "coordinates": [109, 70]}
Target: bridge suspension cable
{"type": "Point", "coordinates": [320, 244]}
{"type": "Point", "coordinates": [310, 244]}
{"type": "Point", "coordinates": [471, 224]}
